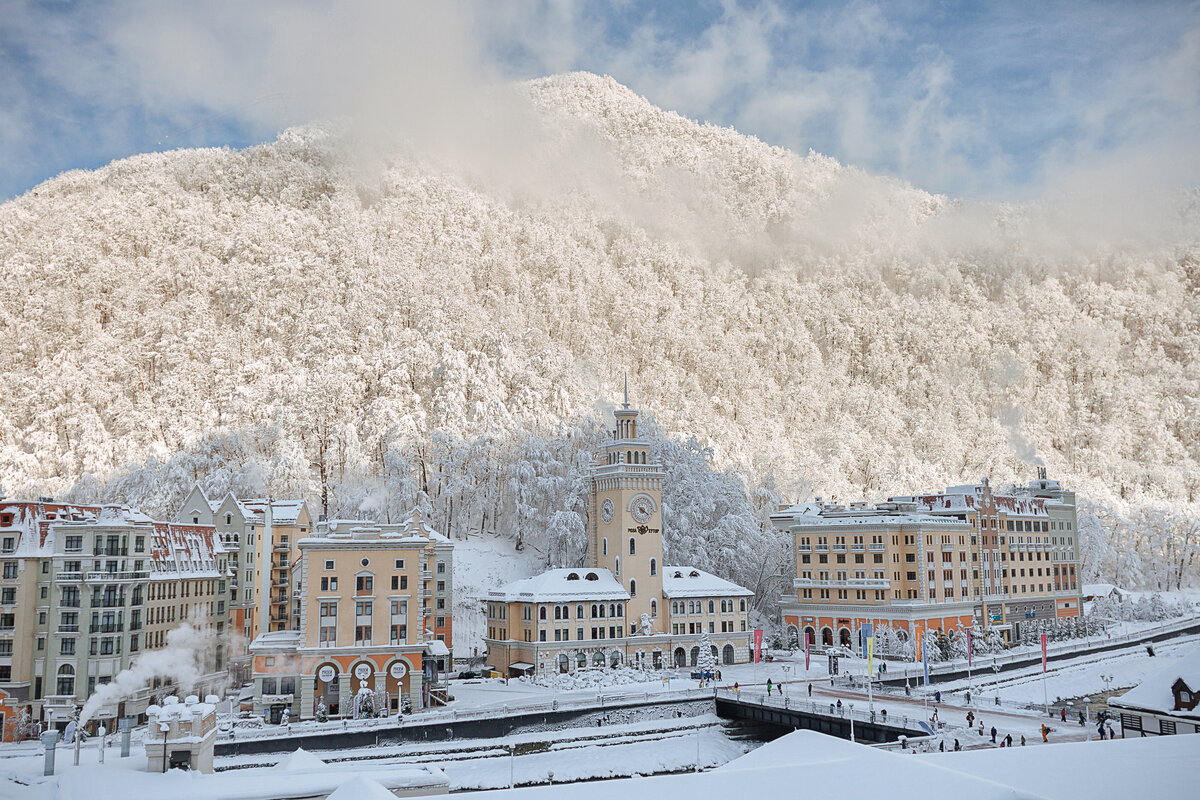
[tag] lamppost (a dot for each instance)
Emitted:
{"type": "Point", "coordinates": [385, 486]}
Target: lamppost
{"type": "Point", "coordinates": [851, 721]}
{"type": "Point", "coordinates": [786, 669]}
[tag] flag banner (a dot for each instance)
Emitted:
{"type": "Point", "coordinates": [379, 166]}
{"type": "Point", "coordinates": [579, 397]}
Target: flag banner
{"type": "Point", "coordinates": [970, 647]}
{"type": "Point", "coordinates": [870, 656]}
{"type": "Point", "coordinates": [925, 659]}
{"type": "Point", "coordinates": [757, 644]}
{"type": "Point", "coordinates": [1043, 652]}
{"type": "Point", "coordinates": [806, 651]}
{"type": "Point", "coordinates": [917, 651]}
{"type": "Point", "coordinates": [865, 633]}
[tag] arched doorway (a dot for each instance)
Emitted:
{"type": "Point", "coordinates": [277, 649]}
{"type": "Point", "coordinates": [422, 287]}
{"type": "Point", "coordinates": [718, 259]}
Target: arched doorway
{"type": "Point", "coordinates": [564, 663]}
{"type": "Point", "coordinates": [694, 656]}
{"type": "Point", "coordinates": [398, 675]}
{"type": "Point", "coordinates": [327, 689]}
{"type": "Point", "coordinates": [844, 637]}
{"type": "Point", "coordinates": [811, 634]}
{"type": "Point", "coordinates": [598, 659]}
{"type": "Point", "coordinates": [727, 654]}
{"type": "Point", "coordinates": [581, 660]}
{"type": "Point", "coordinates": [827, 637]}
{"type": "Point", "coordinates": [614, 660]}
{"type": "Point", "coordinates": [680, 657]}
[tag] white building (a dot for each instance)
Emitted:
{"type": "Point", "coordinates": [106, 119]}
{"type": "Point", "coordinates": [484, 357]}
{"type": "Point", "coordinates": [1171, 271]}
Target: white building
{"type": "Point", "coordinates": [627, 606]}
{"type": "Point", "coordinates": [1165, 703]}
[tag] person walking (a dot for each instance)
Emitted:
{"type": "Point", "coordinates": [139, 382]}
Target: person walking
{"type": "Point", "coordinates": [1008, 739]}
{"type": "Point", "coordinates": [993, 734]}
{"type": "Point", "coordinates": [768, 687]}
{"type": "Point", "coordinates": [810, 690]}
{"type": "Point", "coordinates": [981, 727]}
{"type": "Point", "coordinates": [839, 706]}
{"type": "Point", "coordinates": [1045, 733]}
{"type": "Point", "coordinates": [1081, 719]}
{"type": "Point", "coordinates": [735, 689]}
{"type": "Point", "coordinates": [937, 696]}
{"type": "Point", "coordinates": [968, 697]}
{"type": "Point", "coordinates": [970, 719]}
{"type": "Point", "coordinates": [957, 746]}
{"type": "Point", "coordinates": [1022, 740]}
{"type": "Point", "coordinates": [1063, 715]}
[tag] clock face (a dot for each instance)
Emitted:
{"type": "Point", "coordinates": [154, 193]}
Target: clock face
{"type": "Point", "coordinates": [606, 511]}
{"type": "Point", "coordinates": [643, 507]}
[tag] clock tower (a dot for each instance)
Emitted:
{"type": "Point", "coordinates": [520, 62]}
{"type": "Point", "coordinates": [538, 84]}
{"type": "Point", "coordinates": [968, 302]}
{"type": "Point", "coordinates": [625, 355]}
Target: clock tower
{"type": "Point", "coordinates": [625, 508]}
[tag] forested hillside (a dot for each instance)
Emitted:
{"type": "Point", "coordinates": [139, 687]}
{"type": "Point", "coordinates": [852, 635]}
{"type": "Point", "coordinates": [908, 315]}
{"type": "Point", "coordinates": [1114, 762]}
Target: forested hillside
{"type": "Point", "coordinates": [382, 329]}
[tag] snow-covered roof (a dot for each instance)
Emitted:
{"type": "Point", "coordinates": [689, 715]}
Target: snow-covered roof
{"type": "Point", "coordinates": [562, 585]}
{"type": "Point", "coordinates": [437, 647]}
{"type": "Point", "coordinates": [1154, 693]}
{"type": "Point", "coordinates": [275, 640]}
{"type": "Point", "coordinates": [692, 582]}
{"type": "Point", "coordinates": [283, 512]}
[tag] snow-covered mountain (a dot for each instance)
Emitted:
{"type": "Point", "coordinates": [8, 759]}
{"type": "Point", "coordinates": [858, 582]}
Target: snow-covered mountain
{"type": "Point", "coordinates": [364, 322]}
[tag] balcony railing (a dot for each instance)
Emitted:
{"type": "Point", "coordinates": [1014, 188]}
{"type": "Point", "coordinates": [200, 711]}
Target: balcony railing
{"type": "Point", "coordinates": [821, 548]}
{"type": "Point", "coordinates": [858, 547]}
{"type": "Point", "coordinates": [877, 547]}
{"type": "Point", "coordinates": [113, 577]}
{"type": "Point", "coordinates": [112, 627]}
{"type": "Point", "coordinates": [804, 548]}
{"type": "Point", "coordinates": [69, 576]}
{"type": "Point", "coordinates": [64, 628]}
{"type": "Point", "coordinates": [850, 583]}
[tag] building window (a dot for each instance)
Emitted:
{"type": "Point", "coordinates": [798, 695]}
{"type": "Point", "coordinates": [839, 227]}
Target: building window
{"type": "Point", "coordinates": [604, 546]}
{"type": "Point", "coordinates": [66, 680]}
{"type": "Point", "coordinates": [329, 563]}
{"type": "Point", "coordinates": [632, 547]}
{"type": "Point", "coordinates": [632, 587]}
{"type": "Point", "coordinates": [364, 583]}
{"type": "Point", "coordinates": [653, 566]}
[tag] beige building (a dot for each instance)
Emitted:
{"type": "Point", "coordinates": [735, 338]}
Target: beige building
{"type": "Point", "coordinates": [627, 607]}
{"type": "Point", "coordinates": [963, 558]}
{"type": "Point", "coordinates": [253, 538]}
{"type": "Point", "coordinates": [85, 589]}
{"type": "Point", "coordinates": [372, 607]}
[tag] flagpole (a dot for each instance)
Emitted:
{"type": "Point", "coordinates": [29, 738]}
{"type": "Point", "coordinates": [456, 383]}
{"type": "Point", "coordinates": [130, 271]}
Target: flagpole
{"type": "Point", "coordinates": [1045, 695]}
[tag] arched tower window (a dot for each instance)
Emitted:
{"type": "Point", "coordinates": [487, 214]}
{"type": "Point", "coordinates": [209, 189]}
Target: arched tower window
{"type": "Point", "coordinates": [542, 613]}
{"type": "Point", "coordinates": [628, 456]}
{"type": "Point", "coordinates": [653, 566]}
{"type": "Point", "coordinates": [229, 519]}
{"type": "Point", "coordinates": [633, 588]}
{"type": "Point", "coordinates": [617, 565]}
{"type": "Point", "coordinates": [632, 546]}
{"type": "Point", "coordinates": [604, 546]}
{"type": "Point", "coordinates": [654, 608]}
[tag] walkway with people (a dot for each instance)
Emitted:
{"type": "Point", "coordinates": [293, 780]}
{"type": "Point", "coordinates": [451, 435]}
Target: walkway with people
{"type": "Point", "coordinates": [946, 719]}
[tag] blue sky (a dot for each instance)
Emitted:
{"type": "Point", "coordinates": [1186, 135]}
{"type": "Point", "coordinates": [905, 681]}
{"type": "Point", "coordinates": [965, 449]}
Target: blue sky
{"type": "Point", "coordinates": [982, 100]}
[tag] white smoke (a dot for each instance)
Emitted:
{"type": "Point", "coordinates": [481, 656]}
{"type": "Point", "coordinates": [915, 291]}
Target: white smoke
{"type": "Point", "coordinates": [179, 660]}
{"type": "Point", "coordinates": [1026, 450]}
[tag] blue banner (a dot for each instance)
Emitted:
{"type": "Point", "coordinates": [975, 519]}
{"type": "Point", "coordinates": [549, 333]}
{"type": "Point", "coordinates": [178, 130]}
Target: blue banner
{"type": "Point", "coordinates": [864, 633]}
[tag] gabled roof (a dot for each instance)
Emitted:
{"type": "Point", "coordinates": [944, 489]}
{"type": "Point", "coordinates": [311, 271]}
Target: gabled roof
{"type": "Point", "coordinates": [562, 586]}
{"type": "Point", "coordinates": [692, 582]}
{"type": "Point", "coordinates": [1155, 692]}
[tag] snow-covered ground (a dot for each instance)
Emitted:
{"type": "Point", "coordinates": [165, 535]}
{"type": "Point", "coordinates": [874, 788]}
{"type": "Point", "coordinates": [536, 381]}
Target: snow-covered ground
{"type": "Point", "coordinates": [482, 563]}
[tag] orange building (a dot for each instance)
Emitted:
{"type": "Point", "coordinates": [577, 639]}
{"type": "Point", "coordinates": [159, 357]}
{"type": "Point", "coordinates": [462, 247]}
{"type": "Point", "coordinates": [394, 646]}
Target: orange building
{"type": "Point", "coordinates": [373, 610]}
{"type": "Point", "coordinates": [956, 559]}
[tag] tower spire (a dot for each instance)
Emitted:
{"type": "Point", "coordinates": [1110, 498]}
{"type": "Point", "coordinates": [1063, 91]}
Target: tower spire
{"type": "Point", "coordinates": [626, 403]}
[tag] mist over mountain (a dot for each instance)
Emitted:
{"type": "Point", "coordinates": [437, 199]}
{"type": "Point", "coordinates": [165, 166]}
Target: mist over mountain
{"type": "Point", "coordinates": [380, 322]}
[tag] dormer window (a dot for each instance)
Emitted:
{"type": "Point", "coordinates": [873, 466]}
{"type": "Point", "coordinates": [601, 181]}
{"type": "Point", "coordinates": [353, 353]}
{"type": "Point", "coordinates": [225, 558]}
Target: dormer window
{"type": "Point", "coordinates": [678, 574]}
{"type": "Point", "coordinates": [573, 576]}
{"type": "Point", "coordinates": [591, 576]}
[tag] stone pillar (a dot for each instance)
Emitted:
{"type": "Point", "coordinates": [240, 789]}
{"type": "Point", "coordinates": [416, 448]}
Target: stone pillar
{"type": "Point", "coordinates": [346, 690]}
{"type": "Point", "coordinates": [416, 680]}
{"type": "Point", "coordinates": [308, 697]}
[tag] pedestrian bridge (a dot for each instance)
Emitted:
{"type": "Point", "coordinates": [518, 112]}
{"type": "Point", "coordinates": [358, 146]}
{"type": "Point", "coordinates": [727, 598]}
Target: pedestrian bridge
{"type": "Point", "coordinates": [800, 713]}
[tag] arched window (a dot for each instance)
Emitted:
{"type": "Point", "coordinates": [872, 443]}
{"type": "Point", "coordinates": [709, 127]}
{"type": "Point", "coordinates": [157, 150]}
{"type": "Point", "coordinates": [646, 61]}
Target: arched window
{"type": "Point", "coordinates": [66, 680]}
{"type": "Point", "coordinates": [654, 608]}
{"type": "Point", "coordinates": [542, 612]}
{"type": "Point", "coordinates": [229, 519]}
{"type": "Point", "coordinates": [628, 456]}
{"type": "Point", "coordinates": [558, 612]}
{"type": "Point", "coordinates": [653, 566]}
{"type": "Point", "coordinates": [604, 546]}
{"type": "Point", "coordinates": [643, 458]}
{"type": "Point", "coordinates": [602, 611]}
{"type": "Point", "coordinates": [579, 611]}
{"type": "Point", "coordinates": [594, 612]}
{"type": "Point", "coordinates": [710, 606]}
{"type": "Point", "coordinates": [617, 565]}
{"type": "Point", "coordinates": [633, 588]}
{"type": "Point", "coordinates": [743, 603]}
{"type": "Point", "coordinates": [632, 546]}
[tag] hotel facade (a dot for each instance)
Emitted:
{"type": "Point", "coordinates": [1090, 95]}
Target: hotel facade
{"type": "Point", "coordinates": [966, 557]}
{"type": "Point", "coordinates": [626, 606]}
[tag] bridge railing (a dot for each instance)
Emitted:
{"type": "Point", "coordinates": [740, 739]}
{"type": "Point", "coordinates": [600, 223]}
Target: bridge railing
{"type": "Point", "coordinates": [599, 702]}
{"type": "Point", "coordinates": [818, 708]}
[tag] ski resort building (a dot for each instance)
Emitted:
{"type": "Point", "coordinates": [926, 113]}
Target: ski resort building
{"type": "Point", "coordinates": [257, 531]}
{"type": "Point", "coordinates": [1165, 703]}
{"type": "Point", "coordinates": [626, 607]}
{"type": "Point", "coordinates": [956, 559]}
{"type": "Point", "coordinates": [86, 589]}
{"type": "Point", "coordinates": [372, 610]}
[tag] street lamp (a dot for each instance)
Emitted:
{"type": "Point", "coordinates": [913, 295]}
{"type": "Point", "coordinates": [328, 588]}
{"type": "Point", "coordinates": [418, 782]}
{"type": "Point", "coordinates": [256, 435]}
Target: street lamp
{"type": "Point", "coordinates": [786, 669]}
{"type": "Point", "coordinates": [851, 721]}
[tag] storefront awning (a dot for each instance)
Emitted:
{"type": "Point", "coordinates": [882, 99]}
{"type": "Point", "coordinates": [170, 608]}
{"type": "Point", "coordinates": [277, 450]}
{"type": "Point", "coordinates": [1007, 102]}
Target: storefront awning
{"type": "Point", "coordinates": [520, 665]}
